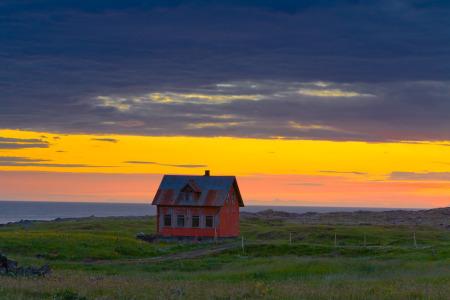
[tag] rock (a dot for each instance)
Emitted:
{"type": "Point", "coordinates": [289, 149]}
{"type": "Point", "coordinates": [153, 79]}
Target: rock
{"type": "Point", "coordinates": [6, 265]}
{"type": "Point", "coordinates": [33, 271]}
{"type": "Point", "coordinates": [147, 237]}
{"type": "Point", "coordinates": [11, 267]}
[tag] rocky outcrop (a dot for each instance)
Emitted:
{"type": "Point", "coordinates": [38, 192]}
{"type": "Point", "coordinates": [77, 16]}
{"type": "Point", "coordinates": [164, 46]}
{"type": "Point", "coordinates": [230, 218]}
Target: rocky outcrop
{"type": "Point", "coordinates": [11, 267]}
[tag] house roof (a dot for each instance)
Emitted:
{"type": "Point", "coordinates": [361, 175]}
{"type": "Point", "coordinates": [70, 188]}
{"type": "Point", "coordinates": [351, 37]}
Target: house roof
{"type": "Point", "coordinates": [211, 190]}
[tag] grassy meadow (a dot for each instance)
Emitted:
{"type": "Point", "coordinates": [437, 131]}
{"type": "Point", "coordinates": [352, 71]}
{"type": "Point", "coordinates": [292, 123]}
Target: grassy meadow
{"type": "Point", "coordinates": [100, 258]}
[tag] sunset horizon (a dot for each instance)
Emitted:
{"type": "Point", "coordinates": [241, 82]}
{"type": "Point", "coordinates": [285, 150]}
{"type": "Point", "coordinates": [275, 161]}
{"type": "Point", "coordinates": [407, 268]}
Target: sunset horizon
{"type": "Point", "coordinates": [128, 168]}
{"type": "Point", "coordinates": [322, 103]}
{"type": "Point", "coordinates": [207, 149]}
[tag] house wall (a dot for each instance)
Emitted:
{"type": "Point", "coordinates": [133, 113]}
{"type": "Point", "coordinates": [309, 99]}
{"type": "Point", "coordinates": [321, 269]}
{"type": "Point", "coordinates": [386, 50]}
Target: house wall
{"type": "Point", "coordinates": [188, 212]}
{"type": "Point", "coordinates": [229, 216]}
{"type": "Point", "coordinates": [226, 219]}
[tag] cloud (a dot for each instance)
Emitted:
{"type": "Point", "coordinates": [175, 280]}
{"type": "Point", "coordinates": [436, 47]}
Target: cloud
{"type": "Point", "coordinates": [442, 162]}
{"type": "Point", "coordinates": [119, 104]}
{"type": "Point", "coordinates": [16, 143]}
{"type": "Point", "coordinates": [203, 125]}
{"type": "Point", "coordinates": [309, 127]}
{"type": "Point", "coordinates": [425, 143]}
{"type": "Point", "coordinates": [425, 176]}
{"type": "Point", "coordinates": [331, 93]}
{"type": "Point", "coordinates": [19, 159]}
{"type": "Point", "coordinates": [165, 165]}
{"type": "Point", "coordinates": [108, 140]}
{"type": "Point", "coordinates": [373, 70]}
{"type": "Point", "coordinates": [200, 98]}
{"type": "Point", "coordinates": [344, 172]}
{"type": "Point", "coordinates": [139, 162]}
{"type": "Point", "coordinates": [312, 184]}
{"type": "Point", "coordinates": [126, 103]}
{"type": "Point", "coordinates": [17, 140]}
{"type": "Point", "coordinates": [16, 161]}
{"type": "Point", "coordinates": [22, 146]}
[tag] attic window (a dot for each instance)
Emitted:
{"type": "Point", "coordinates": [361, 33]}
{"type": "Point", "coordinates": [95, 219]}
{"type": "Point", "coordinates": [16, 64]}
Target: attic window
{"type": "Point", "coordinates": [190, 192]}
{"type": "Point", "coordinates": [187, 196]}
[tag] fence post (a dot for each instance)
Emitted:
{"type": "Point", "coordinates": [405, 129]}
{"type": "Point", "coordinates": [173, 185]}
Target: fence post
{"type": "Point", "coordinates": [242, 244]}
{"type": "Point", "coordinates": [414, 238]}
{"type": "Point", "coordinates": [290, 238]}
{"type": "Point", "coordinates": [335, 239]}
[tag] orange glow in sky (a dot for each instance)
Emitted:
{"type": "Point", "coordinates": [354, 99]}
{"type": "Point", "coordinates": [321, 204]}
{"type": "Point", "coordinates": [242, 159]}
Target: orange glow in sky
{"type": "Point", "coordinates": [121, 168]}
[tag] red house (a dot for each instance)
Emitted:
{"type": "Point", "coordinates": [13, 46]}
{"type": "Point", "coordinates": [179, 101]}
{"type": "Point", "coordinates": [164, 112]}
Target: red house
{"type": "Point", "coordinates": [198, 206]}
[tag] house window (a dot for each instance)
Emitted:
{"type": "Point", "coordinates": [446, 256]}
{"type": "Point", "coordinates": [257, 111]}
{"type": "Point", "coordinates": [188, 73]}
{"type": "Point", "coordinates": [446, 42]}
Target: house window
{"type": "Point", "coordinates": [168, 220]}
{"type": "Point", "coordinates": [195, 221]}
{"type": "Point", "coordinates": [180, 220]}
{"type": "Point", "coordinates": [209, 221]}
{"type": "Point", "coordinates": [187, 196]}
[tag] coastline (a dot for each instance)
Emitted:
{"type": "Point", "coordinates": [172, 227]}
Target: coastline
{"type": "Point", "coordinates": [15, 211]}
{"type": "Point", "coordinates": [437, 218]}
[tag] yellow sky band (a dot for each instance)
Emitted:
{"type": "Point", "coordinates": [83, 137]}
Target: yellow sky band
{"type": "Point", "coordinates": [223, 155]}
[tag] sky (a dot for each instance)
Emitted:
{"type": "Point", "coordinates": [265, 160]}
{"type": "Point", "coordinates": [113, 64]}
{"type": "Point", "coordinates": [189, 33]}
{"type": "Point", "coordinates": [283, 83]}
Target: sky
{"type": "Point", "coordinates": [319, 103]}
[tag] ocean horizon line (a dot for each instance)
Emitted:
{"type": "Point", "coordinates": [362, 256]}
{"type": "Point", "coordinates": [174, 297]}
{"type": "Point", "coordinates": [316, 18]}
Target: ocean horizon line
{"type": "Point", "coordinates": [248, 205]}
{"type": "Point", "coordinates": [14, 211]}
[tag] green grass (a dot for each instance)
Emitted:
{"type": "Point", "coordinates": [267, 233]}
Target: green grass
{"type": "Point", "coordinates": [389, 265]}
{"type": "Point", "coordinates": [84, 240]}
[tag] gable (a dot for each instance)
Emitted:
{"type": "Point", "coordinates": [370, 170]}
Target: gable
{"type": "Point", "coordinates": [187, 189]}
{"type": "Point", "coordinates": [191, 187]}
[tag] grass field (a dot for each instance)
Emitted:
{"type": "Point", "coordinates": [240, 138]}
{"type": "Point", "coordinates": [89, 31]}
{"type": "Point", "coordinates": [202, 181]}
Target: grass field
{"type": "Point", "coordinates": [93, 259]}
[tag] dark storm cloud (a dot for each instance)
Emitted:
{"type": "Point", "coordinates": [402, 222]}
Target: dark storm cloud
{"type": "Point", "coordinates": [136, 162]}
{"type": "Point", "coordinates": [386, 65]}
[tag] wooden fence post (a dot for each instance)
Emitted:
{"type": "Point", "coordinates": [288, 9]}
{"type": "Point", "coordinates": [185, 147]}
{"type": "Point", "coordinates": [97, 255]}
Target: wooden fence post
{"type": "Point", "coordinates": [290, 238]}
{"type": "Point", "coordinates": [414, 238]}
{"type": "Point", "coordinates": [242, 243]}
{"type": "Point", "coordinates": [335, 239]}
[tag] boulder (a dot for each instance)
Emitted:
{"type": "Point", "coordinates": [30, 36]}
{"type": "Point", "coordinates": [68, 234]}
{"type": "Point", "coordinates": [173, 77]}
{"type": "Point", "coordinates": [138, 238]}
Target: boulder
{"type": "Point", "coordinates": [151, 238]}
{"type": "Point", "coordinates": [7, 265]}
{"type": "Point", "coordinates": [11, 267]}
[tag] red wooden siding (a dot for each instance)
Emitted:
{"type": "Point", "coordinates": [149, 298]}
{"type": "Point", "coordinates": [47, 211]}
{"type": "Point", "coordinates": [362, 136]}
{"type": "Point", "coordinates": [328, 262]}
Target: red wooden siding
{"type": "Point", "coordinates": [226, 219]}
{"type": "Point", "coordinates": [229, 216]}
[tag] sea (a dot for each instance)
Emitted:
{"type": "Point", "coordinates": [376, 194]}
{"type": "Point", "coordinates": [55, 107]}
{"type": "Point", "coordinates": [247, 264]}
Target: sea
{"type": "Point", "coordinates": [14, 211]}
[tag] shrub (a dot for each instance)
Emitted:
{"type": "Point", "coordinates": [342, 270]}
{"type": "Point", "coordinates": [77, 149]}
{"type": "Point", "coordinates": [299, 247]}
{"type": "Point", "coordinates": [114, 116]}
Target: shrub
{"type": "Point", "coordinates": [68, 294]}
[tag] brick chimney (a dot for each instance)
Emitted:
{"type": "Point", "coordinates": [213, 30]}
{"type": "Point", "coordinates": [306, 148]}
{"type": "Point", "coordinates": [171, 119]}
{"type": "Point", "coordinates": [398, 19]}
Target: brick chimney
{"type": "Point", "coordinates": [207, 173]}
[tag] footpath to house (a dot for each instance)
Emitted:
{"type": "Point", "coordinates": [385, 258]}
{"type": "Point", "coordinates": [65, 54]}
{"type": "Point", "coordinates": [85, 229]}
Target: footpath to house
{"type": "Point", "coordinates": [170, 257]}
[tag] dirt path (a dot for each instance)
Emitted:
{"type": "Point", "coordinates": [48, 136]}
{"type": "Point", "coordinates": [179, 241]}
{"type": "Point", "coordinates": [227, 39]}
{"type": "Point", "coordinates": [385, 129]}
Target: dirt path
{"type": "Point", "coordinates": [175, 256]}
